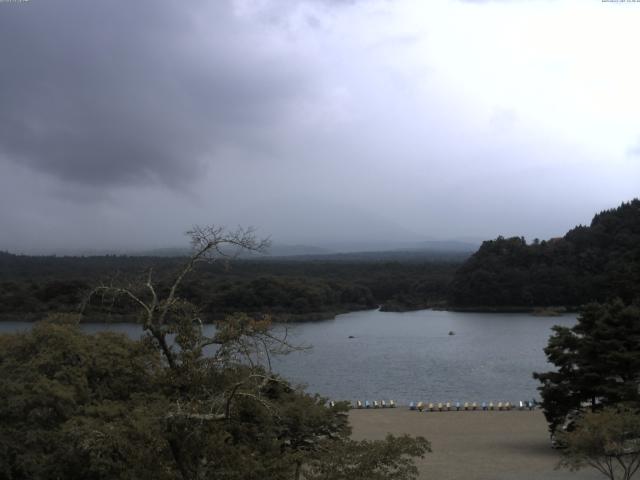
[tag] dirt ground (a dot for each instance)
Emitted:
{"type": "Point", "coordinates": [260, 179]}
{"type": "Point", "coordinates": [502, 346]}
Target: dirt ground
{"type": "Point", "coordinates": [474, 445]}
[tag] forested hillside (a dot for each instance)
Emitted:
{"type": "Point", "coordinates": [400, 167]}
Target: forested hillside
{"type": "Point", "coordinates": [590, 263]}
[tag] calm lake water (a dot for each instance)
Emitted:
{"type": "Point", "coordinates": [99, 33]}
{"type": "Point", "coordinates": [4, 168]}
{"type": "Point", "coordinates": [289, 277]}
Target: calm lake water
{"type": "Point", "coordinates": [410, 356]}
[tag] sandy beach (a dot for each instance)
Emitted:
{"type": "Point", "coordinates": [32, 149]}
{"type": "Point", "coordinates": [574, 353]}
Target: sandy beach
{"type": "Point", "coordinates": [474, 445]}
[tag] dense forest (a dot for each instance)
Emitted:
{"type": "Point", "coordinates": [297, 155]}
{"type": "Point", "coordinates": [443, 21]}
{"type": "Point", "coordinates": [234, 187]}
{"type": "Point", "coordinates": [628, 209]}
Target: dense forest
{"type": "Point", "coordinates": [590, 263]}
{"type": "Point", "coordinates": [287, 288]}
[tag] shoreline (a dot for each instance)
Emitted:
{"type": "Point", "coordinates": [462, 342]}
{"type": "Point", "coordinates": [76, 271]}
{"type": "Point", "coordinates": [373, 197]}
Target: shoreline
{"type": "Point", "coordinates": [472, 445]}
{"type": "Point", "coordinates": [312, 316]}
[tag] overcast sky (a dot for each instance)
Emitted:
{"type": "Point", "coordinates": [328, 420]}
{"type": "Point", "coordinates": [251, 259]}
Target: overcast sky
{"type": "Point", "coordinates": [123, 123]}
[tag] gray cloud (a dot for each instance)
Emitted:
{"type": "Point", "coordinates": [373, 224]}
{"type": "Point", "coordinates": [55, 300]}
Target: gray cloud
{"type": "Point", "coordinates": [133, 92]}
{"type": "Point", "coordinates": [123, 123]}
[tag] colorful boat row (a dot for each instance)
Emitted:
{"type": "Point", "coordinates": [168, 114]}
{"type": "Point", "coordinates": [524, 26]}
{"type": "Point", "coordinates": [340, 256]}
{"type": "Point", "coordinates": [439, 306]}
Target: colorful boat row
{"type": "Point", "coordinates": [375, 404]}
{"type": "Point", "coordinates": [457, 406]}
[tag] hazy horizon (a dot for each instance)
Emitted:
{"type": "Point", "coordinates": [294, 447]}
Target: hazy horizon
{"type": "Point", "coordinates": [318, 122]}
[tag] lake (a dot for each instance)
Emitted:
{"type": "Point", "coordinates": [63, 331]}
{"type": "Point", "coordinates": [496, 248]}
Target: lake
{"type": "Point", "coordinates": [410, 356]}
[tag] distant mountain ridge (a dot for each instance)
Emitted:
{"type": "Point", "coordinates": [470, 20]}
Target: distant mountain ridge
{"type": "Point", "coordinates": [278, 249]}
{"type": "Point", "coordinates": [353, 250]}
{"type": "Point", "coordinates": [590, 263]}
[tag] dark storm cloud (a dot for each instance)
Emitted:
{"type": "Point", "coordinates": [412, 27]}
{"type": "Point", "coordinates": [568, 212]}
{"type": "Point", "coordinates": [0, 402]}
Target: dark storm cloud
{"type": "Point", "coordinates": [125, 92]}
{"type": "Point", "coordinates": [123, 123]}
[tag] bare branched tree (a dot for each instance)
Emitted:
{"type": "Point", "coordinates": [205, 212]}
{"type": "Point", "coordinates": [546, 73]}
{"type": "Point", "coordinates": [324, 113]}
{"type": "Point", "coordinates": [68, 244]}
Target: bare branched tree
{"type": "Point", "coordinates": [176, 327]}
{"type": "Point", "coordinates": [159, 314]}
{"type": "Point", "coordinates": [238, 344]}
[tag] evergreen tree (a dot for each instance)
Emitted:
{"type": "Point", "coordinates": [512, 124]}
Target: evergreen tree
{"type": "Point", "coordinates": [597, 360]}
{"type": "Point", "coordinates": [590, 263]}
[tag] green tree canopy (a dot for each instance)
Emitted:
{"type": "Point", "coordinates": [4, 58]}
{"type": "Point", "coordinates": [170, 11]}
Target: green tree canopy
{"type": "Point", "coordinates": [79, 406]}
{"type": "Point", "coordinates": [597, 360]}
{"type": "Point", "coordinates": [608, 440]}
{"type": "Point", "coordinates": [590, 263]}
{"type": "Point", "coordinates": [177, 404]}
